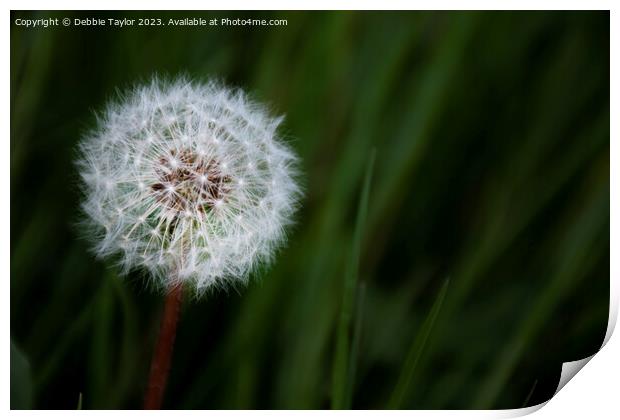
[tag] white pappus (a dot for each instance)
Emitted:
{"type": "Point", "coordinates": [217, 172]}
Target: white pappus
{"type": "Point", "coordinates": [189, 181]}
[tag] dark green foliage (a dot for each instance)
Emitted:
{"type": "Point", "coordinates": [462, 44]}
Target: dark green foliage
{"type": "Point", "coordinates": [21, 381]}
{"type": "Point", "coordinates": [491, 132]}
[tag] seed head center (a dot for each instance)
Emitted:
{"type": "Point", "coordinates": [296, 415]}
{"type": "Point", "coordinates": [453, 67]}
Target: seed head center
{"type": "Point", "coordinates": [190, 182]}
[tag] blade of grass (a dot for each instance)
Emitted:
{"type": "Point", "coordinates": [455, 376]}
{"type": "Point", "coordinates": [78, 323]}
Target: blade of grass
{"type": "Point", "coordinates": [417, 347]}
{"type": "Point", "coordinates": [355, 344]}
{"type": "Point", "coordinates": [497, 235]}
{"type": "Point", "coordinates": [308, 349]}
{"type": "Point", "coordinates": [529, 394]}
{"type": "Point", "coordinates": [341, 359]}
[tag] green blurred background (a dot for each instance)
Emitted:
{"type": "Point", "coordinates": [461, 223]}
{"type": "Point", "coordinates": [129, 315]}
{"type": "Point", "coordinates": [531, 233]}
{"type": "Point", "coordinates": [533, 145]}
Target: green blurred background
{"type": "Point", "coordinates": [491, 133]}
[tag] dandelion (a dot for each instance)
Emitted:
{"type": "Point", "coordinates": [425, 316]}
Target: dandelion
{"type": "Point", "coordinates": [190, 183]}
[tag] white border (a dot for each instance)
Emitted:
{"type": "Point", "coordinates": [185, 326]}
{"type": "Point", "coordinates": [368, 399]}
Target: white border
{"type": "Point", "coordinates": [593, 394]}
{"type": "Point", "coordinates": [312, 5]}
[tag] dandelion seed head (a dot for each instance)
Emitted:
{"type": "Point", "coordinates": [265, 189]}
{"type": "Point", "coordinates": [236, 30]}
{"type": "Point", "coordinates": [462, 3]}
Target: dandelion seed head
{"type": "Point", "coordinates": [175, 180]}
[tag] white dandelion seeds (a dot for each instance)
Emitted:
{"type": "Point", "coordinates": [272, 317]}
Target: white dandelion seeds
{"type": "Point", "coordinates": [188, 181]}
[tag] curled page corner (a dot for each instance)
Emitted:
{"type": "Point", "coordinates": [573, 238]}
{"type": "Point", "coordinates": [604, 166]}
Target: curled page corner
{"type": "Point", "coordinates": [521, 412]}
{"type": "Point", "coordinates": [570, 369]}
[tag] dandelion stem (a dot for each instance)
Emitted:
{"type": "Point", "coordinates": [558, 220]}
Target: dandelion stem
{"type": "Point", "coordinates": [160, 364]}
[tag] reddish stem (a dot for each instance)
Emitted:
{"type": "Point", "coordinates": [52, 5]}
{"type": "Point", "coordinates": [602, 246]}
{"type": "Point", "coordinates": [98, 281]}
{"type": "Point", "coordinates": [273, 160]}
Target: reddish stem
{"type": "Point", "coordinates": [160, 365]}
